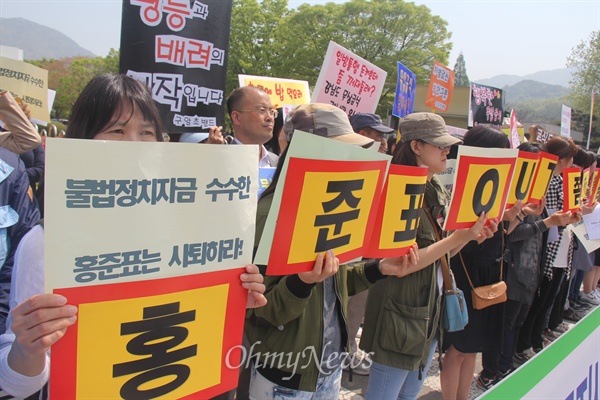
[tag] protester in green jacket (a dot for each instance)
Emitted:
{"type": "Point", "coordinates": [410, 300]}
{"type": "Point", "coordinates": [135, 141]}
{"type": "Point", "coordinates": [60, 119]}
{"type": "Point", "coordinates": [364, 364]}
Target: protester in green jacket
{"type": "Point", "coordinates": [299, 340]}
{"type": "Point", "coordinates": [402, 313]}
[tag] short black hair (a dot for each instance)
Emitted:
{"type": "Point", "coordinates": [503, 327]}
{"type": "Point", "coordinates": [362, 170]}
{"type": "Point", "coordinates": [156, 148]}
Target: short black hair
{"type": "Point", "coordinates": [102, 102]}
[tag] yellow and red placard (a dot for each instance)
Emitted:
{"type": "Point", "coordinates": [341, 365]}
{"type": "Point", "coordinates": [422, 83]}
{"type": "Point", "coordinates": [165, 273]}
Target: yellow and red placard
{"type": "Point", "coordinates": [175, 338]}
{"type": "Point", "coordinates": [325, 205]}
{"type": "Point", "coordinates": [523, 179]}
{"type": "Point", "coordinates": [543, 174]}
{"type": "Point", "coordinates": [395, 228]}
{"type": "Point", "coordinates": [594, 186]}
{"type": "Point", "coordinates": [483, 178]}
{"type": "Point", "coordinates": [585, 183]}
{"type": "Point", "coordinates": [571, 189]}
{"type": "Point", "coordinates": [441, 85]}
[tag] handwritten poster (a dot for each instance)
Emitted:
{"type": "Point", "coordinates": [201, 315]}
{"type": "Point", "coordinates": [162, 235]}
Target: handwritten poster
{"type": "Point", "coordinates": [441, 86]}
{"type": "Point", "coordinates": [486, 105]}
{"type": "Point", "coordinates": [348, 81]}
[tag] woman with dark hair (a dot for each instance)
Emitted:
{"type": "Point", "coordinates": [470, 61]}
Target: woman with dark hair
{"type": "Point", "coordinates": [306, 314]}
{"type": "Point", "coordinates": [111, 107]}
{"type": "Point", "coordinates": [402, 317]}
{"type": "Point", "coordinates": [483, 263]}
{"type": "Point", "coordinates": [530, 339]}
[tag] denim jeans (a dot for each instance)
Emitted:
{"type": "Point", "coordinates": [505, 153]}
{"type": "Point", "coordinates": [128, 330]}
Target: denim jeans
{"type": "Point", "coordinates": [387, 383]}
{"type": "Point", "coordinates": [328, 387]}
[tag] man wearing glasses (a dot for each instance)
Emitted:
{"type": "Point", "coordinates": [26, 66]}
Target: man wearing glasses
{"type": "Point", "coordinates": [252, 116]}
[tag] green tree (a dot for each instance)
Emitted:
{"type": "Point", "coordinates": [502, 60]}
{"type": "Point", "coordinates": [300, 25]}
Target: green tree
{"type": "Point", "coordinates": [269, 39]}
{"type": "Point", "coordinates": [460, 72]}
{"type": "Point", "coordinates": [585, 58]}
{"type": "Point", "coordinates": [254, 38]}
{"type": "Point", "coordinates": [380, 31]}
{"type": "Point", "coordinates": [80, 72]}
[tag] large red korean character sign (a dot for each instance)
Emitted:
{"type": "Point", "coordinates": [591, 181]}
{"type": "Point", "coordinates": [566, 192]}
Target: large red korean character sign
{"type": "Point", "coordinates": [325, 205]}
{"type": "Point", "coordinates": [395, 229]}
{"type": "Point", "coordinates": [175, 338]}
{"type": "Point", "coordinates": [543, 175]}
{"type": "Point", "coordinates": [571, 189]}
{"type": "Point", "coordinates": [523, 179]}
{"type": "Point", "coordinates": [483, 178]}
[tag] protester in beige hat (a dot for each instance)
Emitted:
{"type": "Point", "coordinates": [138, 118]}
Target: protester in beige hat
{"type": "Point", "coordinates": [402, 316]}
{"type": "Point", "coordinates": [305, 317]}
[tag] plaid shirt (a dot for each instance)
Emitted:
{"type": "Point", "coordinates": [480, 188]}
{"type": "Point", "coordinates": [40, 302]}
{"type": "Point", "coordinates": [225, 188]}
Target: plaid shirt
{"type": "Point", "coordinates": [554, 200]}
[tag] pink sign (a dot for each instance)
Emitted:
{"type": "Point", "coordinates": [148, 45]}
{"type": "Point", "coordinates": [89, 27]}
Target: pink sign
{"type": "Point", "coordinates": [348, 81]}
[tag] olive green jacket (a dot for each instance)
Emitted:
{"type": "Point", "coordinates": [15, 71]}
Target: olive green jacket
{"type": "Point", "coordinates": [286, 335]}
{"type": "Point", "coordinates": [402, 315]}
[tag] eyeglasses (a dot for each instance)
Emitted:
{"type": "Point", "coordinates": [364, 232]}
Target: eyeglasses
{"type": "Point", "coordinates": [264, 110]}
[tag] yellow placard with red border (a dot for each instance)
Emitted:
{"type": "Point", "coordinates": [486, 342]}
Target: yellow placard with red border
{"type": "Point", "coordinates": [571, 189]}
{"type": "Point", "coordinates": [543, 174]}
{"type": "Point", "coordinates": [585, 183]}
{"type": "Point", "coordinates": [483, 178]}
{"type": "Point", "coordinates": [325, 205]}
{"type": "Point", "coordinates": [172, 338]}
{"type": "Point", "coordinates": [395, 229]}
{"type": "Point", "coordinates": [594, 187]}
{"type": "Point", "coordinates": [522, 181]}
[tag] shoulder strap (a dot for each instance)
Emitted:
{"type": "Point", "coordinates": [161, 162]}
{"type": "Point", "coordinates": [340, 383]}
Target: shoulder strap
{"type": "Point", "coordinates": [443, 260]}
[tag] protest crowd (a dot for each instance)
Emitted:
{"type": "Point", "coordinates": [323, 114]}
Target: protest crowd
{"type": "Point", "coordinates": [504, 282]}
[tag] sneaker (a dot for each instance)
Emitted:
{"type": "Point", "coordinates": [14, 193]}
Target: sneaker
{"type": "Point", "coordinates": [580, 306]}
{"type": "Point", "coordinates": [550, 335]}
{"type": "Point", "coordinates": [484, 383]}
{"type": "Point", "coordinates": [590, 298]}
{"type": "Point", "coordinates": [522, 358]}
{"type": "Point", "coordinates": [545, 342]}
{"type": "Point", "coordinates": [504, 374]}
{"type": "Point", "coordinates": [572, 315]}
{"type": "Point", "coordinates": [562, 328]}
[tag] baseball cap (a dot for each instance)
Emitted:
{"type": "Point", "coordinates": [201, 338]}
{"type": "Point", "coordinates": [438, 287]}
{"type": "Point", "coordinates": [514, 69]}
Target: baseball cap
{"type": "Point", "coordinates": [368, 120]}
{"type": "Point", "coordinates": [195, 137]}
{"type": "Point", "coordinates": [323, 120]}
{"type": "Point", "coordinates": [428, 127]}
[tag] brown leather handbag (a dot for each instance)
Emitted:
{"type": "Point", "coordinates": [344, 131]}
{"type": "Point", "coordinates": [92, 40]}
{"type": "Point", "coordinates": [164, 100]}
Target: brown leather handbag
{"type": "Point", "coordinates": [488, 295]}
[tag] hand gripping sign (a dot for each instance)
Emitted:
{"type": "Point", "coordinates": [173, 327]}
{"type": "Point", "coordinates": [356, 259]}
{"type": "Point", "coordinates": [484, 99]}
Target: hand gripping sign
{"type": "Point", "coordinates": [177, 337]}
{"type": "Point", "coordinates": [543, 175]}
{"type": "Point", "coordinates": [161, 306]}
{"type": "Point", "coordinates": [523, 179]}
{"type": "Point", "coordinates": [395, 228]}
{"type": "Point", "coordinates": [571, 189]}
{"type": "Point", "coordinates": [482, 181]}
{"type": "Point", "coordinates": [325, 205]}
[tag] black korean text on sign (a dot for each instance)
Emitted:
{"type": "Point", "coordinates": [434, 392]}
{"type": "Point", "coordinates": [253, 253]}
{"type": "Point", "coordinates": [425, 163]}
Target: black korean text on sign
{"type": "Point", "coordinates": [411, 215]}
{"type": "Point", "coordinates": [157, 334]}
{"type": "Point", "coordinates": [345, 191]}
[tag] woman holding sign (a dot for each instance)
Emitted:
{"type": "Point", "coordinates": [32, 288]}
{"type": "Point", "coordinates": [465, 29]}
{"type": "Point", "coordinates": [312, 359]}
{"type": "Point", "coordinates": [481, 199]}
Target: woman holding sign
{"type": "Point", "coordinates": [402, 317]}
{"type": "Point", "coordinates": [111, 107]}
{"type": "Point", "coordinates": [305, 320]}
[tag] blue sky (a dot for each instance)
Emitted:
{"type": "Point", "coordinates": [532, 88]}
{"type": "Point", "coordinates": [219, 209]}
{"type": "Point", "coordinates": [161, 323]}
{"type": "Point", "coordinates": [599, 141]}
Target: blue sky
{"type": "Point", "coordinates": [496, 36]}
